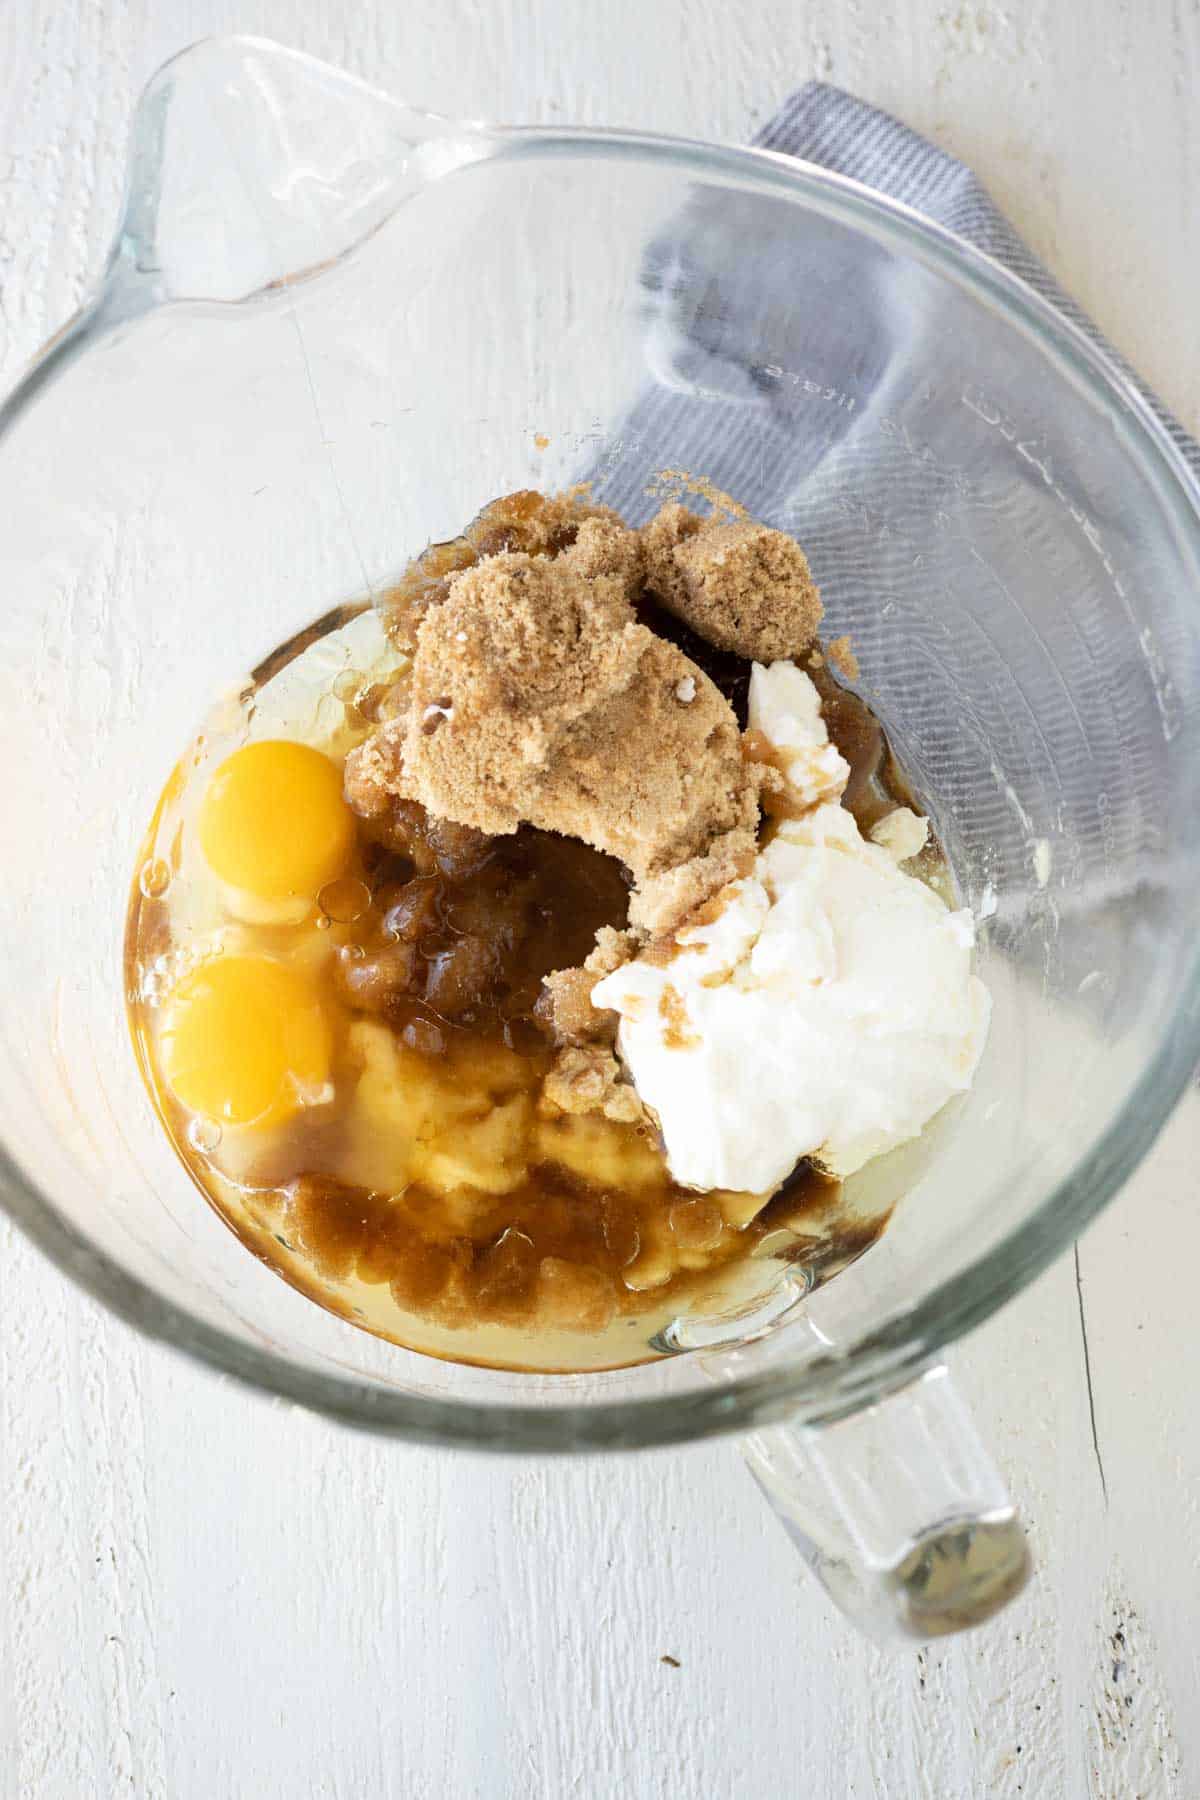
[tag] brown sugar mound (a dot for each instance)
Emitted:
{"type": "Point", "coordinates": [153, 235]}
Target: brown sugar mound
{"type": "Point", "coordinates": [535, 697]}
{"type": "Point", "coordinates": [538, 524]}
{"type": "Point", "coordinates": [739, 584]}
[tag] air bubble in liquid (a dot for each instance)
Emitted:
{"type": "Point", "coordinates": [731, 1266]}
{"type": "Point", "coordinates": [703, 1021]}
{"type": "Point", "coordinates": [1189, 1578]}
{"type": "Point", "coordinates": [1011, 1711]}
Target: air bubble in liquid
{"type": "Point", "coordinates": [154, 878]}
{"type": "Point", "coordinates": [344, 900]}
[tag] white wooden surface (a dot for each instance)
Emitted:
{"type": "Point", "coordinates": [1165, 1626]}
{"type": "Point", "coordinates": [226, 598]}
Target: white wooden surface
{"type": "Point", "coordinates": [205, 1595]}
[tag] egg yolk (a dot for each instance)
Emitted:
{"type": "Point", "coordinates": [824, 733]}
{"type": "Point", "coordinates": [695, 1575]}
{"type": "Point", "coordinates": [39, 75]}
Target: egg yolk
{"type": "Point", "coordinates": [245, 1040]}
{"type": "Point", "coordinates": [273, 821]}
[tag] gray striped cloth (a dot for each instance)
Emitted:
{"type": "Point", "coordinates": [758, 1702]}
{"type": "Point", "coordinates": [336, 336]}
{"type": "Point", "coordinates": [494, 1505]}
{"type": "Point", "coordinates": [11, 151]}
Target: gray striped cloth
{"type": "Point", "coordinates": [711, 286]}
{"type": "Point", "coordinates": [831, 128]}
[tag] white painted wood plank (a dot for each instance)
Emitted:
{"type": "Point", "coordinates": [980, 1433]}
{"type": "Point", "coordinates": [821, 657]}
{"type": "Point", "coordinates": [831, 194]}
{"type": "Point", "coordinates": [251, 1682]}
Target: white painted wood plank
{"type": "Point", "coordinates": [205, 1594]}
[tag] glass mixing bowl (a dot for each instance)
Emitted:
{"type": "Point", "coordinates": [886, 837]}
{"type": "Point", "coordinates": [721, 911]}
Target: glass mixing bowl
{"type": "Point", "coordinates": [330, 329]}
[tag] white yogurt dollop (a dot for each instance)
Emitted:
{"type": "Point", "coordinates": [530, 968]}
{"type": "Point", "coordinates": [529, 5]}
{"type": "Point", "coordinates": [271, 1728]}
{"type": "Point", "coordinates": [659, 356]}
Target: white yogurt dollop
{"type": "Point", "coordinates": [828, 1010]}
{"type": "Point", "coordinates": [786, 708]}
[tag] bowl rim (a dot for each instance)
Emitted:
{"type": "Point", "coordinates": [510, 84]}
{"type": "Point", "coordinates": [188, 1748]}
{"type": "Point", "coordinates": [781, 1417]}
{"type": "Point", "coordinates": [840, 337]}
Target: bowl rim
{"type": "Point", "coordinates": [843, 1379]}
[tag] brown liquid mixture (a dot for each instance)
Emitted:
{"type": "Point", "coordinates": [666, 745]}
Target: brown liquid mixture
{"type": "Point", "coordinates": [436, 1195]}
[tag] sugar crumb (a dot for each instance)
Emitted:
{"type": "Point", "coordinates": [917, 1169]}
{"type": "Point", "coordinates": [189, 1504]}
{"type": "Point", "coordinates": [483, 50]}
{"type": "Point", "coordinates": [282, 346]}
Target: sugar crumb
{"type": "Point", "coordinates": [588, 1078]}
{"type": "Point", "coordinates": [841, 655]}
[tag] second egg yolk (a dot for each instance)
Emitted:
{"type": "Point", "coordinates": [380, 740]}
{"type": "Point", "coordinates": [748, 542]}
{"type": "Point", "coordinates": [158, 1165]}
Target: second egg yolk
{"type": "Point", "coordinates": [245, 1040]}
{"type": "Point", "coordinates": [273, 821]}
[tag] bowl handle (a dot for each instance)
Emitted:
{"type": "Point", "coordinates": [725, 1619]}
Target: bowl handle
{"type": "Point", "coordinates": [899, 1512]}
{"type": "Point", "coordinates": [252, 167]}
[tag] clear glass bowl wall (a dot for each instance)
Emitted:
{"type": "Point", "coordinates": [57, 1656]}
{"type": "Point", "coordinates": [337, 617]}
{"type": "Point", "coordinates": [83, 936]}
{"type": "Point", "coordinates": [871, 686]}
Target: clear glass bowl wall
{"type": "Point", "coordinates": [1008, 540]}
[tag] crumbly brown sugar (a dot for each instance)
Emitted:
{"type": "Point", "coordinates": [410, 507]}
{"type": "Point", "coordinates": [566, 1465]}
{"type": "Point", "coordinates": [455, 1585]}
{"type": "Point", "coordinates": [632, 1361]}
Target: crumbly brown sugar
{"type": "Point", "coordinates": [541, 524]}
{"type": "Point", "coordinates": [537, 698]}
{"type": "Point", "coordinates": [565, 1006]}
{"type": "Point", "coordinates": [588, 1078]}
{"type": "Point", "coordinates": [841, 654]}
{"type": "Point", "coordinates": [662, 903]}
{"type": "Point", "coordinates": [604, 546]}
{"type": "Point", "coordinates": [741, 585]}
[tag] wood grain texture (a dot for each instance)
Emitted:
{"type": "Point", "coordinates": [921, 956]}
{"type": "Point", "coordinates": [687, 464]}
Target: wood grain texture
{"type": "Point", "coordinates": [202, 1594]}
